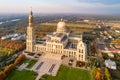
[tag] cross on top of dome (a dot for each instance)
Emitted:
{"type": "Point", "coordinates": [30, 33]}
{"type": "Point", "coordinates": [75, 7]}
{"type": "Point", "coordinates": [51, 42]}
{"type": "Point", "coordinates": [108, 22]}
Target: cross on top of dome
{"type": "Point", "coordinates": [61, 19]}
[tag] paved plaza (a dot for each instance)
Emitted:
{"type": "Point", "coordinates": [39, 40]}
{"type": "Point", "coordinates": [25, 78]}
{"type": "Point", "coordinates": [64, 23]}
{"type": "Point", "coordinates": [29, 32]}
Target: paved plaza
{"type": "Point", "coordinates": [47, 64]}
{"type": "Point", "coordinates": [66, 61]}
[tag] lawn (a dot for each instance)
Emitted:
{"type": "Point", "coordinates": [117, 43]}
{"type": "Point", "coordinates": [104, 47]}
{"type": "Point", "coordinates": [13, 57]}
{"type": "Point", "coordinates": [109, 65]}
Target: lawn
{"type": "Point", "coordinates": [24, 61]}
{"type": "Point", "coordinates": [21, 75]}
{"type": "Point", "coordinates": [67, 73]}
{"type": "Point", "coordinates": [31, 63]}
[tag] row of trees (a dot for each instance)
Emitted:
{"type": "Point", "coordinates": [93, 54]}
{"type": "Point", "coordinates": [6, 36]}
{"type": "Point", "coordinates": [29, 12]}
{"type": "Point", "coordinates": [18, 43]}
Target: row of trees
{"type": "Point", "coordinates": [10, 47]}
{"type": "Point", "coordinates": [10, 67]}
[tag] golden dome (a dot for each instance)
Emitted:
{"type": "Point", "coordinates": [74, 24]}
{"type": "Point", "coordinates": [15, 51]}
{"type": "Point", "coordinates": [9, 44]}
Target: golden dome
{"type": "Point", "coordinates": [61, 26]}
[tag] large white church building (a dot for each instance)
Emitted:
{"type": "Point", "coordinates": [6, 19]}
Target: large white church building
{"type": "Point", "coordinates": [59, 42]}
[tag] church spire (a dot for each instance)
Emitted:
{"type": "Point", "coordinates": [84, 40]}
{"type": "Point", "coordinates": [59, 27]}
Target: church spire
{"type": "Point", "coordinates": [30, 17]}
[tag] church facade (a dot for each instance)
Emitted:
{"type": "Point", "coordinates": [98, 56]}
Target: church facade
{"type": "Point", "coordinates": [59, 42]}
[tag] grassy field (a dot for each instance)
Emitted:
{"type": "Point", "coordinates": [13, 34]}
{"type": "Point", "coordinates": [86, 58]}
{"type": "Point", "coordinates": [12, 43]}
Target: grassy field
{"type": "Point", "coordinates": [21, 75]}
{"type": "Point", "coordinates": [31, 63]}
{"type": "Point", "coordinates": [67, 73]}
{"type": "Point", "coordinates": [24, 61]}
{"type": "Point", "coordinates": [75, 28]}
{"type": "Point", "coordinates": [90, 25]}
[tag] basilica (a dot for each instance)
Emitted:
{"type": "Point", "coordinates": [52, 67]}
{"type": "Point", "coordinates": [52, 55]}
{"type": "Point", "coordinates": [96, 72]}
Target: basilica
{"type": "Point", "coordinates": [59, 42]}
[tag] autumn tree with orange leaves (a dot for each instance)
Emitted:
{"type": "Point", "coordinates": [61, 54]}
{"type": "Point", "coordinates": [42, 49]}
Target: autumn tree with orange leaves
{"type": "Point", "coordinates": [19, 59]}
{"type": "Point", "coordinates": [98, 74]}
{"type": "Point", "coordinates": [2, 75]}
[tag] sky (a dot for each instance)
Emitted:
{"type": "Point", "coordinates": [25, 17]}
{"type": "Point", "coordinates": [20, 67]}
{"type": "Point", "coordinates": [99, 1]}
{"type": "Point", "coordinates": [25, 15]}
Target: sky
{"type": "Point", "coordinates": [61, 6]}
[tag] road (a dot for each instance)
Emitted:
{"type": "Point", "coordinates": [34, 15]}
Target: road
{"type": "Point", "coordinates": [98, 57]}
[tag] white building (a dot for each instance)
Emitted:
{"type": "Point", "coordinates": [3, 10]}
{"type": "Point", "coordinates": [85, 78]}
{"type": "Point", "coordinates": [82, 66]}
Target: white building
{"type": "Point", "coordinates": [8, 36]}
{"type": "Point", "coordinates": [110, 55]}
{"type": "Point", "coordinates": [59, 42]}
{"type": "Point", "coordinates": [110, 64]}
{"type": "Point", "coordinates": [20, 37]}
{"type": "Point", "coordinates": [86, 20]}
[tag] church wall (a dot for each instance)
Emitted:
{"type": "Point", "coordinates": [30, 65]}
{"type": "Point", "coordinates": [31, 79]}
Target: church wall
{"type": "Point", "coordinates": [81, 52]}
{"type": "Point", "coordinates": [39, 48]}
{"type": "Point", "coordinates": [54, 47]}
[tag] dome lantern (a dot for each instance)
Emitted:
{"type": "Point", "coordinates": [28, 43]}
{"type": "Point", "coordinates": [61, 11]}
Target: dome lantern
{"type": "Point", "coordinates": [61, 26]}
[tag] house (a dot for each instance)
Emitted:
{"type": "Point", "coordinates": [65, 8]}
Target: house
{"type": "Point", "coordinates": [111, 55]}
{"type": "Point", "coordinates": [110, 64]}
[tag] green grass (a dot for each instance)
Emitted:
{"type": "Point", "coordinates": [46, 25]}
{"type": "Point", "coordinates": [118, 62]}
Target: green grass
{"type": "Point", "coordinates": [67, 73]}
{"type": "Point", "coordinates": [24, 61]}
{"type": "Point", "coordinates": [82, 24]}
{"type": "Point", "coordinates": [90, 25]}
{"type": "Point", "coordinates": [31, 63]}
{"type": "Point", "coordinates": [21, 75]}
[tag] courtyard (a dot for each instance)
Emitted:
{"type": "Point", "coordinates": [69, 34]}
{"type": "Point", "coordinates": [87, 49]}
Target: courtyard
{"type": "Point", "coordinates": [47, 64]}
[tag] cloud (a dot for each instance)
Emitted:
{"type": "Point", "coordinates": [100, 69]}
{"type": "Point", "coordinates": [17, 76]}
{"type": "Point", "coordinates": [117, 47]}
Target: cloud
{"type": "Point", "coordinates": [88, 8]}
{"type": "Point", "coordinates": [66, 6]}
{"type": "Point", "coordinates": [100, 1]}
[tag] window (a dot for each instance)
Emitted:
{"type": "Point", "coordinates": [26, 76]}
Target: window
{"type": "Point", "coordinates": [81, 45]}
{"type": "Point", "coordinates": [82, 56]}
{"type": "Point", "coordinates": [74, 53]}
{"type": "Point", "coordinates": [82, 50]}
{"type": "Point", "coordinates": [79, 50]}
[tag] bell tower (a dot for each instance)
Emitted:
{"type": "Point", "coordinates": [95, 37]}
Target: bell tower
{"type": "Point", "coordinates": [81, 51]}
{"type": "Point", "coordinates": [30, 39]}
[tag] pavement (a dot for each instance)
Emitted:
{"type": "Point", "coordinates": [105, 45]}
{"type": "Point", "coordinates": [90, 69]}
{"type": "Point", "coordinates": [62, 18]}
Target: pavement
{"type": "Point", "coordinates": [47, 64]}
{"type": "Point", "coordinates": [23, 66]}
{"type": "Point", "coordinates": [66, 61]}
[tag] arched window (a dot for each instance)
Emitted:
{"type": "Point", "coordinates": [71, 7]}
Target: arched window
{"type": "Point", "coordinates": [81, 45]}
{"type": "Point", "coordinates": [79, 51]}
{"type": "Point", "coordinates": [82, 50]}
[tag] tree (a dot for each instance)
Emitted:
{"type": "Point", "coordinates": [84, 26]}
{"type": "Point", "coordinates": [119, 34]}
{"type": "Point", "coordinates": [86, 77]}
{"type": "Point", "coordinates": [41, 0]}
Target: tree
{"type": "Point", "coordinates": [93, 72]}
{"type": "Point", "coordinates": [2, 75]}
{"type": "Point", "coordinates": [19, 59]}
{"type": "Point", "coordinates": [107, 74]}
{"type": "Point", "coordinates": [10, 47]}
{"type": "Point", "coordinates": [98, 74]}
{"type": "Point", "coordinates": [9, 68]}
